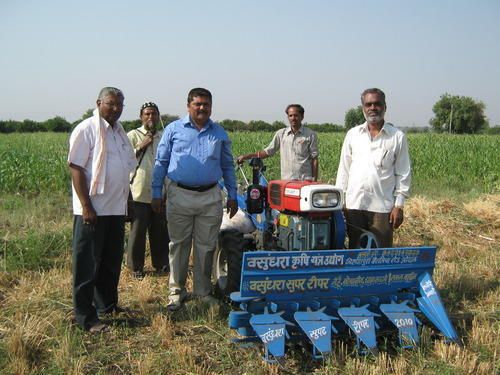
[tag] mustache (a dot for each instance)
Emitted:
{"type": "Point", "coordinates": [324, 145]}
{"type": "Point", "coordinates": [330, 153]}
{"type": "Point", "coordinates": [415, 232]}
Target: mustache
{"type": "Point", "coordinates": [373, 116]}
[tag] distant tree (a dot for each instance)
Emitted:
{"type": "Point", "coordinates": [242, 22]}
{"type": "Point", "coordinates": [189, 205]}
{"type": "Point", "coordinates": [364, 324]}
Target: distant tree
{"type": "Point", "coordinates": [259, 125]}
{"type": "Point", "coordinates": [28, 126]}
{"type": "Point", "coordinates": [415, 129]}
{"type": "Point", "coordinates": [56, 124]}
{"type": "Point", "coordinates": [25, 126]}
{"type": "Point", "coordinates": [129, 125]}
{"type": "Point", "coordinates": [233, 125]}
{"type": "Point", "coordinates": [167, 119]}
{"type": "Point", "coordinates": [88, 113]}
{"type": "Point", "coordinates": [278, 124]}
{"type": "Point", "coordinates": [354, 117]}
{"type": "Point", "coordinates": [7, 126]}
{"type": "Point", "coordinates": [463, 113]}
{"type": "Point", "coordinates": [326, 127]}
{"type": "Point", "coordinates": [493, 130]}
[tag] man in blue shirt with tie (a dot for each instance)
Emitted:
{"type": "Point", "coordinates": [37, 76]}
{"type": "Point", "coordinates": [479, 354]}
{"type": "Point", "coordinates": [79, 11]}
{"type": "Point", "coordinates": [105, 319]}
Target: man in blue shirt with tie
{"type": "Point", "coordinates": [194, 153]}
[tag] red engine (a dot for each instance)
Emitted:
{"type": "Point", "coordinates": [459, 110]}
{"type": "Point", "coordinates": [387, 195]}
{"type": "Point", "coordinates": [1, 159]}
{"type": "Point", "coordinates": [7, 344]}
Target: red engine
{"type": "Point", "coordinates": [303, 196]}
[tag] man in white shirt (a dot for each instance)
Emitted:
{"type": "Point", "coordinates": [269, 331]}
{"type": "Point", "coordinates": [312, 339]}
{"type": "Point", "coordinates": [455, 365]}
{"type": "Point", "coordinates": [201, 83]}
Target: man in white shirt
{"type": "Point", "coordinates": [100, 160]}
{"type": "Point", "coordinates": [374, 172]}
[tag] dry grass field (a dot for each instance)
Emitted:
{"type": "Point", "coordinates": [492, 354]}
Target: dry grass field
{"type": "Point", "coordinates": [37, 335]}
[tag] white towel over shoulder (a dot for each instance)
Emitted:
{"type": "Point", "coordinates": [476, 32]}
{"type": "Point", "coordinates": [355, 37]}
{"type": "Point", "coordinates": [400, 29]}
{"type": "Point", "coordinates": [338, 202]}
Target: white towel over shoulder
{"type": "Point", "coordinates": [98, 180]}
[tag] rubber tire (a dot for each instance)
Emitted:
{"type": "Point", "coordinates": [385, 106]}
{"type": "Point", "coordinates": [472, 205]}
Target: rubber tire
{"type": "Point", "coordinates": [228, 257]}
{"type": "Point", "coordinates": [367, 240]}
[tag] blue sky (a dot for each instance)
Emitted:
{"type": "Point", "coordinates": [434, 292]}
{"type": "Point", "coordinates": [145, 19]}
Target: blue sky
{"type": "Point", "coordinates": [255, 56]}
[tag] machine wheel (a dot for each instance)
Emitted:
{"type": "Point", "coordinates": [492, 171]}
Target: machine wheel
{"type": "Point", "coordinates": [367, 240]}
{"type": "Point", "coordinates": [227, 262]}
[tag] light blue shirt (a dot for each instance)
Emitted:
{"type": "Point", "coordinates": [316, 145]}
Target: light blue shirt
{"type": "Point", "coordinates": [194, 158]}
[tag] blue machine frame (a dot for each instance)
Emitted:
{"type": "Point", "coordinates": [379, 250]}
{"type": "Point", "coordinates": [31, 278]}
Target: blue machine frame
{"type": "Point", "coordinates": [314, 294]}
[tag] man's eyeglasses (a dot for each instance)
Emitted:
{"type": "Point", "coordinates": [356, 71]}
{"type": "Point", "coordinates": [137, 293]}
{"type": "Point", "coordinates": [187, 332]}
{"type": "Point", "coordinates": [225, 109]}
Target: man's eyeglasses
{"type": "Point", "coordinates": [114, 105]}
{"type": "Point", "coordinates": [376, 104]}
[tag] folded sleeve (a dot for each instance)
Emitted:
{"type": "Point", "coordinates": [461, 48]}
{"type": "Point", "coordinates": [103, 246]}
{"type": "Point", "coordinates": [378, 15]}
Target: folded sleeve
{"type": "Point", "coordinates": [79, 147]}
{"type": "Point", "coordinates": [274, 146]}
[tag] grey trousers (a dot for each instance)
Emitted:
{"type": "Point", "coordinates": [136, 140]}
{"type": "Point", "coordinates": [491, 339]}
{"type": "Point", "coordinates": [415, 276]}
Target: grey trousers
{"type": "Point", "coordinates": [194, 221]}
{"type": "Point", "coordinates": [97, 258]}
{"type": "Point", "coordinates": [155, 225]}
{"type": "Point", "coordinates": [375, 222]}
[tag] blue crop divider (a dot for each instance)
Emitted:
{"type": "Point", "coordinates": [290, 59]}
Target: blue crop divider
{"type": "Point", "coordinates": [238, 319]}
{"type": "Point", "coordinates": [332, 306]}
{"type": "Point", "coordinates": [332, 309]}
{"type": "Point", "coordinates": [256, 307]}
{"type": "Point", "coordinates": [410, 297]}
{"type": "Point", "coordinates": [361, 321]}
{"type": "Point", "coordinates": [311, 305]}
{"type": "Point", "coordinates": [287, 307]}
{"type": "Point", "coordinates": [355, 302]}
{"type": "Point", "coordinates": [318, 328]}
{"type": "Point", "coordinates": [403, 317]}
{"type": "Point", "coordinates": [431, 305]}
{"type": "Point", "coordinates": [374, 301]}
{"type": "Point", "coordinates": [249, 304]}
{"type": "Point", "coordinates": [270, 328]}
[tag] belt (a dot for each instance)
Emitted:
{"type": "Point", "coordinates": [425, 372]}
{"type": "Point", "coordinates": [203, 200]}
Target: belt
{"type": "Point", "coordinates": [199, 189]}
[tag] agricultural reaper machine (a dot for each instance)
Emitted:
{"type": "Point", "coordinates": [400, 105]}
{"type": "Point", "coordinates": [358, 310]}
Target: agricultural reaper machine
{"type": "Point", "coordinates": [293, 281]}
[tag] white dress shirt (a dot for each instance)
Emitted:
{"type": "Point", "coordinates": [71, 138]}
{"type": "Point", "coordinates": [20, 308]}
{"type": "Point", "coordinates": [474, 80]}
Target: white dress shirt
{"type": "Point", "coordinates": [120, 161]}
{"type": "Point", "coordinates": [374, 173]}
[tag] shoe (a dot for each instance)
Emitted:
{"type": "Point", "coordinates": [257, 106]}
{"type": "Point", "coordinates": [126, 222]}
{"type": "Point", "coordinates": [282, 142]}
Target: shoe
{"type": "Point", "coordinates": [174, 305]}
{"type": "Point", "coordinates": [98, 327]}
{"type": "Point", "coordinates": [176, 300]}
{"type": "Point", "coordinates": [116, 310]}
{"type": "Point", "coordinates": [121, 310]}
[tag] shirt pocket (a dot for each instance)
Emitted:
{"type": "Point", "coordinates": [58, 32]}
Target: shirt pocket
{"type": "Point", "coordinates": [181, 145]}
{"type": "Point", "coordinates": [301, 146]}
{"type": "Point", "coordinates": [383, 158]}
{"type": "Point", "coordinates": [213, 149]}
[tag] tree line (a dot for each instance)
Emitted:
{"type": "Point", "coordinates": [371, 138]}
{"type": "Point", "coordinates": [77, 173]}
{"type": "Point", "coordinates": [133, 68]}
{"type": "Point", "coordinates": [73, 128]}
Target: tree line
{"type": "Point", "coordinates": [59, 124]}
{"type": "Point", "coordinates": [453, 114]}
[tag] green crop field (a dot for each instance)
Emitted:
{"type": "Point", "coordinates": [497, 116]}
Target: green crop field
{"type": "Point", "coordinates": [455, 205]}
{"type": "Point", "coordinates": [441, 164]}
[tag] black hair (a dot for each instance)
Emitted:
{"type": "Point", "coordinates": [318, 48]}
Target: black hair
{"type": "Point", "coordinates": [298, 106]}
{"type": "Point", "coordinates": [199, 91]}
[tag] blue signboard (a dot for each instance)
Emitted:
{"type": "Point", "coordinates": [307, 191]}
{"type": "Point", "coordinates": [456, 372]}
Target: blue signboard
{"type": "Point", "coordinates": [328, 273]}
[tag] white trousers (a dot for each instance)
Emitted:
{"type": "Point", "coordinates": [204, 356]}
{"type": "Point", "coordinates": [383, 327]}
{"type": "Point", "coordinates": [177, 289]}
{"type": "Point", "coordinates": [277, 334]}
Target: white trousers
{"type": "Point", "coordinates": [194, 221]}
